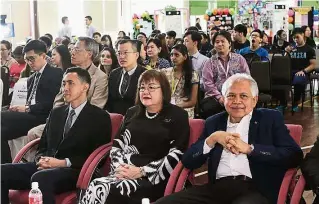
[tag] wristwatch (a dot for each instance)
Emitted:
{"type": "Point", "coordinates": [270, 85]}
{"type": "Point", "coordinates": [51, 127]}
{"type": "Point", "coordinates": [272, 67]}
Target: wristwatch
{"type": "Point", "coordinates": [143, 171]}
{"type": "Point", "coordinates": [27, 108]}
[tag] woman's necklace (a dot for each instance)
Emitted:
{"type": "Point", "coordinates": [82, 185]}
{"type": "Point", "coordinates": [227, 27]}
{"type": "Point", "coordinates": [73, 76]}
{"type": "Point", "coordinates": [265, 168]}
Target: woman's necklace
{"type": "Point", "coordinates": [150, 117]}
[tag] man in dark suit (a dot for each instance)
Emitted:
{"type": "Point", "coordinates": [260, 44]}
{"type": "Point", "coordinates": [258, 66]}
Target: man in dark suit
{"type": "Point", "coordinates": [43, 86]}
{"type": "Point", "coordinates": [248, 151]}
{"type": "Point", "coordinates": [310, 170]}
{"type": "Point", "coordinates": [70, 136]}
{"type": "Point", "coordinates": [123, 80]}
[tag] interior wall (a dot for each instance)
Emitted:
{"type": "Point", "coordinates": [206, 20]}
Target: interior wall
{"type": "Point", "coordinates": [18, 12]}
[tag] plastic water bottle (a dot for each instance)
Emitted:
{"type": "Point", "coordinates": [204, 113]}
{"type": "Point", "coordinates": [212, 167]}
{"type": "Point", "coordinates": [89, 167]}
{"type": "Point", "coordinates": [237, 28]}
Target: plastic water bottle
{"type": "Point", "coordinates": [35, 195]}
{"type": "Point", "coordinates": [146, 201]}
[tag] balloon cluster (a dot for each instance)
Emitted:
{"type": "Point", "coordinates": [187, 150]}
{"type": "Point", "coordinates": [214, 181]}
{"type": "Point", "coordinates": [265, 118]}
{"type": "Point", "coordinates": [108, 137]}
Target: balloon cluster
{"type": "Point", "coordinates": [219, 11]}
{"type": "Point", "coordinates": [250, 7]}
{"type": "Point", "coordinates": [135, 19]}
{"type": "Point", "coordinates": [291, 15]}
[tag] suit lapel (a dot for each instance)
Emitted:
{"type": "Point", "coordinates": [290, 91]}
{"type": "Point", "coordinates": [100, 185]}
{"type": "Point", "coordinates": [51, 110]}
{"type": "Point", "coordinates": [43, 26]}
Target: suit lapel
{"type": "Point", "coordinates": [253, 127]}
{"type": "Point", "coordinates": [223, 127]}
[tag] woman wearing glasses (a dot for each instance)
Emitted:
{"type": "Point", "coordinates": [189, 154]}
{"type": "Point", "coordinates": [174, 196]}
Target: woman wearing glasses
{"type": "Point", "coordinates": [148, 146]}
{"type": "Point", "coordinates": [108, 60]}
{"type": "Point", "coordinates": [183, 79]}
{"type": "Point", "coordinates": [6, 59]}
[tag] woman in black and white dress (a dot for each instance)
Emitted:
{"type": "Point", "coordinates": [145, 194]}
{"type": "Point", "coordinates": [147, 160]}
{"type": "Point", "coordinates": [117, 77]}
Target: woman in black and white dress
{"type": "Point", "coordinates": [148, 146]}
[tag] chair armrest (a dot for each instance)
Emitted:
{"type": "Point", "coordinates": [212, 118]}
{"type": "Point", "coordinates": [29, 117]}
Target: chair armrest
{"type": "Point", "coordinates": [173, 179]}
{"type": "Point", "coordinates": [88, 161]}
{"type": "Point", "coordinates": [182, 179]}
{"type": "Point", "coordinates": [285, 184]}
{"type": "Point", "coordinates": [91, 166]}
{"type": "Point", "coordinates": [25, 150]}
{"type": "Point", "coordinates": [298, 191]}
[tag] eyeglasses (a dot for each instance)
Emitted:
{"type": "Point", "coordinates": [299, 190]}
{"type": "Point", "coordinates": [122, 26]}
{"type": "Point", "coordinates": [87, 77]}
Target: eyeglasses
{"type": "Point", "coordinates": [255, 36]}
{"type": "Point", "coordinates": [31, 58]}
{"type": "Point", "coordinates": [77, 49]}
{"type": "Point", "coordinates": [124, 54]}
{"type": "Point", "coordinates": [149, 88]}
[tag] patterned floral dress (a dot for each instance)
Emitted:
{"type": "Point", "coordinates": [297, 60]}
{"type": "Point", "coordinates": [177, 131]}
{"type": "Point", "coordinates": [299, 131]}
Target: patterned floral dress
{"type": "Point", "coordinates": [177, 86]}
{"type": "Point", "coordinates": [155, 144]}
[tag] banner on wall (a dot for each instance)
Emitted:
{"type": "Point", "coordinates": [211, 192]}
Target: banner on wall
{"type": "Point", "coordinates": [173, 21]}
{"type": "Point", "coordinates": [7, 30]}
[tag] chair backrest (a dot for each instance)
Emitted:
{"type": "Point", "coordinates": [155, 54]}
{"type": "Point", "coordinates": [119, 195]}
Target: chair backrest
{"type": "Point", "coordinates": [260, 71]}
{"type": "Point", "coordinates": [196, 129]}
{"type": "Point", "coordinates": [116, 120]}
{"type": "Point", "coordinates": [298, 191]}
{"type": "Point", "coordinates": [251, 57]}
{"type": "Point", "coordinates": [295, 132]}
{"type": "Point", "coordinates": [281, 70]}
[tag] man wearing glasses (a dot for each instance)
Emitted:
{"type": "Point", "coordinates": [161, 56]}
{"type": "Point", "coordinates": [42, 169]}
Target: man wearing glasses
{"type": "Point", "coordinates": [123, 80]}
{"type": "Point", "coordinates": [82, 55]}
{"type": "Point", "coordinates": [43, 86]}
{"type": "Point", "coordinates": [256, 37]}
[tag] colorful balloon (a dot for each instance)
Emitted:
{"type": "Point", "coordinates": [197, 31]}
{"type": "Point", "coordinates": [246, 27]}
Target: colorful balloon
{"type": "Point", "coordinates": [208, 12]}
{"type": "Point", "coordinates": [316, 12]}
{"type": "Point", "coordinates": [226, 11]}
{"type": "Point", "coordinates": [135, 16]}
{"type": "Point", "coordinates": [290, 26]}
{"type": "Point", "coordinates": [206, 17]}
{"type": "Point", "coordinates": [231, 11]}
{"type": "Point", "coordinates": [290, 19]}
{"type": "Point", "coordinates": [291, 13]}
{"type": "Point", "coordinates": [215, 11]}
{"type": "Point", "coordinates": [316, 18]}
{"type": "Point", "coordinates": [220, 11]}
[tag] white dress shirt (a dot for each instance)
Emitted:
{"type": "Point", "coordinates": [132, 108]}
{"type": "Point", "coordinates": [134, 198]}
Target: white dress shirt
{"type": "Point", "coordinates": [77, 113]}
{"type": "Point", "coordinates": [130, 73]}
{"type": "Point", "coordinates": [198, 62]}
{"type": "Point", "coordinates": [33, 102]}
{"type": "Point", "coordinates": [231, 164]}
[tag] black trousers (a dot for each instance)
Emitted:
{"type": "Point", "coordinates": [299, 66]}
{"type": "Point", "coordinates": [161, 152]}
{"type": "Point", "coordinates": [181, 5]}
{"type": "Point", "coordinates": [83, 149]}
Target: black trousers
{"type": "Point", "coordinates": [222, 192]}
{"type": "Point", "coordinates": [210, 106]}
{"type": "Point", "coordinates": [51, 181]}
{"type": "Point", "coordinates": [15, 125]}
{"type": "Point", "coordinates": [299, 90]}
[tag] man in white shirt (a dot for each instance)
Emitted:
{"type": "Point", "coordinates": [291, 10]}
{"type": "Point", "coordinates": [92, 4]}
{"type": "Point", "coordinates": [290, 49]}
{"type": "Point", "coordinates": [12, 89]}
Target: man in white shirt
{"type": "Point", "coordinates": [66, 29]}
{"type": "Point", "coordinates": [248, 151]}
{"type": "Point", "coordinates": [89, 28]}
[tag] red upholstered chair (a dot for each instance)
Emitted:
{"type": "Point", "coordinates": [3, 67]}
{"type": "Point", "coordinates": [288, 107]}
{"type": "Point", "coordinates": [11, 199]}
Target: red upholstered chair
{"type": "Point", "coordinates": [175, 181]}
{"type": "Point", "coordinates": [21, 197]}
{"type": "Point", "coordinates": [180, 174]}
{"type": "Point", "coordinates": [298, 191]}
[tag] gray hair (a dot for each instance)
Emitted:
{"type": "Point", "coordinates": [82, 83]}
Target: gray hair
{"type": "Point", "coordinates": [237, 78]}
{"type": "Point", "coordinates": [91, 46]}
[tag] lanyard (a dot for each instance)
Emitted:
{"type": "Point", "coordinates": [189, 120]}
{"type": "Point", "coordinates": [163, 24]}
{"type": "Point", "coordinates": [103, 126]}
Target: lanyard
{"type": "Point", "coordinates": [174, 86]}
{"type": "Point", "coordinates": [227, 67]}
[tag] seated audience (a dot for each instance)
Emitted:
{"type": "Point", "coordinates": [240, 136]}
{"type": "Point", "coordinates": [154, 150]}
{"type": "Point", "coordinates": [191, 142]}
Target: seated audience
{"type": "Point", "coordinates": [123, 80]}
{"type": "Point", "coordinates": [65, 145]}
{"type": "Point", "coordinates": [165, 53]}
{"type": "Point", "coordinates": [239, 36]}
{"type": "Point", "coordinates": [43, 86]}
{"type": "Point", "coordinates": [212, 32]}
{"type": "Point", "coordinates": [280, 42]}
{"type": "Point", "coordinates": [248, 151]}
{"type": "Point", "coordinates": [183, 79]}
{"type": "Point", "coordinates": [16, 69]}
{"type": "Point", "coordinates": [106, 40]}
{"type": "Point", "coordinates": [6, 59]}
{"type": "Point", "coordinates": [310, 170]}
{"type": "Point", "coordinates": [179, 41]}
{"type": "Point", "coordinates": [97, 37]}
{"type": "Point", "coordinates": [121, 34]}
{"type": "Point", "coordinates": [148, 146]}
{"type": "Point", "coordinates": [82, 55]}
{"type": "Point", "coordinates": [191, 28]}
{"type": "Point", "coordinates": [66, 42]}
{"type": "Point", "coordinates": [48, 42]}
{"type": "Point", "coordinates": [303, 62]}
{"type": "Point", "coordinates": [170, 39]}
{"type": "Point", "coordinates": [206, 46]}
{"type": "Point", "coordinates": [142, 51]}
{"type": "Point", "coordinates": [71, 47]}
{"type": "Point", "coordinates": [61, 57]}
{"type": "Point", "coordinates": [192, 40]}
{"type": "Point", "coordinates": [108, 61]}
{"type": "Point", "coordinates": [217, 69]}
{"type": "Point", "coordinates": [154, 55]}
{"type": "Point", "coordinates": [309, 40]}
{"type": "Point", "coordinates": [256, 37]}
{"type": "Point", "coordinates": [143, 38]}
{"type": "Point", "coordinates": [265, 42]}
